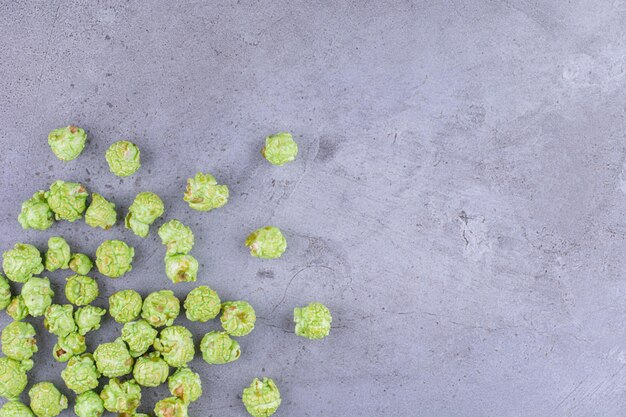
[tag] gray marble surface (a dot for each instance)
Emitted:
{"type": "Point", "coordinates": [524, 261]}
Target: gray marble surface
{"type": "Point", "coordinates": [458, 202]}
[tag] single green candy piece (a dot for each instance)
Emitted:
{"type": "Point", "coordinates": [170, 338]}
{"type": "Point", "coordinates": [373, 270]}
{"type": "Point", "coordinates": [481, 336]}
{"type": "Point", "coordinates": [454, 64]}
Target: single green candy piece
{"type": "Point", "coordinates": [18, 340]}
{"type": "Point", "coordinates": [202, 304]}
{"type": "Point", "coordinates": [312, 321]}
{"type": "Point", "coordinates": [177, 237]}
{"type": "Point", "coordinates": [46, 400]}
{"type": "Point", "coordinates": [280, 148]}
{"type": "Point", "coordinates": [89, 404]}
{"type": "Point", "coordinates": [261, 398]}
{"type": "Point", "coordinates": [80, 263]}
{"type": "Point", "coordinates": [176, 345]}
{"type": "Point", "coordinates": [17, 308]}
{"type": "Point", "coordinates": [139, 336]}
{"type": "Point", "coordinates": [121, 397]}
{"type": "Point", "coordinates": [267, 242]}
{"type": "Point", "coordinates": [67, 142]}
{"type": "Point", "coordinates": [218, 348]}
{"type": "Point", "coordinates": [238, 318]}
{"type": "Point", "coordinates": [37, 296]}
{"type": "Point", "coordinates": [59, 319]}
{"type": "Point", "coordinates": [67, 200]}
{"type": "Point", "coordinates": [123, 158]}
{"type": "Point", "coordinates": [15, 408]}
{"type": "Point", "coordinates": [22, 262]}
{"type": "Point", "coordinates": [114, 258]}
{"type": "Point", "coordinates": [88, 318]}
{"type": "Point", "coordinates": [101, 213]}
{"type": "Point", "coordinates": [80, 374]}
{"type": "Point", "coordinates": [171, 407]}
{"type": "Point", "coordinates": [146, 208]}
{"type": "Point", "coordinates": [36, 213]}
{"type": "Point", "coordinates": [113, 359]}
{"type": "Point", "coordinates": [203, 193]}
{"type": "Point", "coordinates": [185, 384]}
{"type": "Point", "coordinates": [13, 378]}
{"type": "Point", "coordinates": [69, 346]}
{"type": "Point", "coordinates": [5, 292]}
{"type": "Point", "coordinates": [58, 254]}
{"type": "Point", "coordinates": [160, 308]}
{"type": "Point", "coordinates": [151, 370]}
{"type": "Point", "coordinates": [81, 290]}
{"type": "Point", "coordinates": [125, 305]}
{"type": "Point", "coordinates": [181, 268]}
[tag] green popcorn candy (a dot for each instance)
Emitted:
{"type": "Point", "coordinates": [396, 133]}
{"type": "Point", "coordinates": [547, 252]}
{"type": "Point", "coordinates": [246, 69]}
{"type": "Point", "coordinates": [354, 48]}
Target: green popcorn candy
{"type": "Point", "coordinates": [114, 258]}
{"type": "Point", "coordinates": [204, 194]}
{"type": "Point", "coordinates": [15, 409]}
{"type": "Point", "coordinates": [181, 268]}
{"type": "Point", "coordinates": [88, 404]}
{"type": "Point", "coordinates": [18, 341]}
{"type": "Point", "coordinates": [202, 304]}
{"type": "Point", "coordinates": [261, 398]}
{"type": "Point", "coordinates": [160, 308]}
{"type": "Point", "coordinates": [121, 397]}
{"type": "Point", "coordinates": [101, 213]}
{"type": "Point", "coordinates": [46, 400]}
{"type": "Point", "coordinates": [13, 378]}
{"type": "Point", "coordinates": [312, 321]}
{"type": "Point", "coordinates": [177, 237]}
{"type": "Point", "coordinates": [36, 213]}
{"type": "Point", "coordinates": [123, 158]}
{"type": "Point", "coordinates": [5, 293]}
{"type": "Point", "coordinates": [185, 384]}
{"type": "Point", "coordinates": [37, 296]}
{"type": "Point", "coordinates": [113, 359]}
{"type": "Point", "coordinates": [151, 370]}
{"type": "Point", "coordinates": [218, 348]}
{"type": "Point", "coordinates": [22, 262]}
{"type": "Point", "coordinates": [176, 345]}
{"type": "Point", "coordinates": [171, 407]}
{"type": "Point", "coordinates": [139, 336]}
{"type": "Point", "coordinates": [17, 308]}
{"type": "Point", "coordinates": [67, 142]}
{"type": "Point", "coordinates": [80, 263]}
{"type": "Point", "coordinates": [88, 318]}
{"type": "Point", "coordinates": [238, 318]}
{"type": "Point", "coordinates": [125, 305]}
{"type": "Point", "coordinates": [280, 148]}
{"type": "Point", "coordinates": [69, 346]}
{"type": "Point", "coordinates": [146, 208]}
{"type": "Point", "coordinates": [58, 254]}
{"type": "Point", "coordinates": [67, 200]}
{"type": "Point", "coordinates": [267, 242]}
{"type": "Point", "coordinates": [81, 290]}
{"type": "Point", "coordinates": [59, 319]}
{"type": "Point", "coordinates": [80, 374]}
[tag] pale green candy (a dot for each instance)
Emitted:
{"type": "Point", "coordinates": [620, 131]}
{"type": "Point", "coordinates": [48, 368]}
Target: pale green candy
{"type": "Point", "coordinates": [5, 292]}
{"type": "Point", "coordinates": [160, 308]}
{"type": "Point", "coordinates": [312, 321]}
{"type": "Point", "coordinates": [80, 263]}
{"type": "Point", "coordinates": [18, 340]}
{"type": "Point", "coordinates": [139, 336]}
{"type": "Point", "coordinates": [17, 308]}
{"type": "Point", "coordinates": [46, 400]}
{"type": "Point", "coordinates": [218, 348]}
{"type": "Point", "coordinates": [267, 242]}
{"type": "Point", "coordinates": [114, 258]}
{"type": "Point", "coordinates": [146, 208]}
{"type": "Point", "coordinates": [80, 374]}
{"type": "Point", "coordinates": [15, 409]}
{"type": "Point", "coordinates": [185, 384]}
{"type": "Point", "coordinates": [176, 345]}
{"type": "Point", "coordinates": [113, 359]}
{"type": "Point", "coordinates": [280, 148]}
{"type": "Point", "coordinates": [69, 346]}
{"type": "Point", "coordinates": [171, 407]}
{"type": "Point", "coordinates": [125, 305]}
{"type": "Point", "coordinates": [123, 158]}
{"type": "Point", "coordinates": [59, 319]}
{"type": "Point", "coordinates": [181, 268]}
{"type": "Point", "coordinates": [261, 398]}
{"type": "Point", "coordinates": [22, 262]}
{"type": "Point", "coordinates": [81, 290]}
{"type": "Point", "coordinates": [58, 254]}
{"type": "Point", "coordinates": [202, 304]}
{"type": "Point", "coordinates": [88, 318]}
{"type": "Point", "coordinates": [101, 213]}
{"type": "Point", "coordinates": [67, 200]}
{"type": "Point", "coordinates": [36, 213]}
{"type": "Point", "coordinates": [67, 142]}
{"type": "Point", "coordinates": [177, 237]}
{"type": "Point", "coordinates": [89, 404]}
{"type": "Point", "coordinates": [13, 378]}
{"type": "Point", "coordinates": [121, 397]}
{"type": "Point", "coordinates": [204, 194]}
{"type": "Point", "coordinates": [151, 370]}
{"type": "Point", "coordinates": [238, 318]}
{"type": "Point", "coordinates": [37, 296]}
